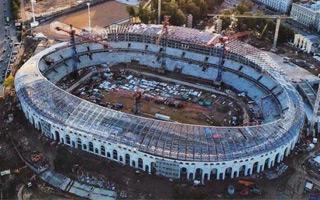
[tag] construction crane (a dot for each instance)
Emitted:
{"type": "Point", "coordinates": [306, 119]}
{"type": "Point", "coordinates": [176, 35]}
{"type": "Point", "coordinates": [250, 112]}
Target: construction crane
{"type": "Point", "coordinates": [277, 17]}
{"type": "Point", "coordinates": [223, 40]}
{"type": "Point", "coordinates": [163, 36]}
{"type": "Point", "coordinates": [84, 38]}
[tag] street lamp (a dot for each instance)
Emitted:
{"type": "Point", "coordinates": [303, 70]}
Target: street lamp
{"type": "Point", "coordinates": [89, 17]}
{"type": "Point", "coordinates": [34, 23]}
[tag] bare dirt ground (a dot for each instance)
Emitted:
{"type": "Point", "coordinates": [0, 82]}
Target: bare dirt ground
{"type": "Point", "coordinates": [101, 15]}
{"type": "Point", "coordinates": [49, 5]}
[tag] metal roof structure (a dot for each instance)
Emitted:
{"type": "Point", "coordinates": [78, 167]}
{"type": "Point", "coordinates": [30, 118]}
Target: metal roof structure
{"type": "Point", "coordinates": [166, 139]}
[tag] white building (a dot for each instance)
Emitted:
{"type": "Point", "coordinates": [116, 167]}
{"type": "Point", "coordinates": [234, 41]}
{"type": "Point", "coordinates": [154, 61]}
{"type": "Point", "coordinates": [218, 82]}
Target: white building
{"type": "Point", "coordinates": [307, 14]}
{"type": "Point", "coordinates": [307, 43]}
{"type": "Point", "coordinates": [171, 149]}
{"type": "Point", "coordinates": [278, 5]}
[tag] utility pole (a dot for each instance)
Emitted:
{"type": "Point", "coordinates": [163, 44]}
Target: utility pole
{"type": "Point", "coordinates": [89, 17]}
{"type": "Point", "coordinates": [34, 23]}
{"type": "Point", "coordinates": [159, 11]}
{"type": "Point", "coordinates": [276, 33]}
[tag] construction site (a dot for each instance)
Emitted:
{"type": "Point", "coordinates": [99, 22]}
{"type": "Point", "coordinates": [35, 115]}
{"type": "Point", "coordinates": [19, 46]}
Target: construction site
{"type": "Point", "coordinates": [156, 111]}
{"type": "Point", "coordinates": [138, 91]}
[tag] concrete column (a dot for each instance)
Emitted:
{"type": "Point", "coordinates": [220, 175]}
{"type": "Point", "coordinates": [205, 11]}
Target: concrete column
{"type": "Point", "coordinates": [223, 175]}
{"type": "Point", "coordinates": [231, 174]}
{"type": "Point", "coordinates": [190, 172]}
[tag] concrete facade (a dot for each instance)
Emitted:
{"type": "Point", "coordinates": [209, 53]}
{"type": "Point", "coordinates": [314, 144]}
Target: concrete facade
{"type": "Point", "coordinates": [202, 171]}
{"type": "Point", "coordinates": [307, 14]}
{"type": "Point", "coordinates": [278, 5]}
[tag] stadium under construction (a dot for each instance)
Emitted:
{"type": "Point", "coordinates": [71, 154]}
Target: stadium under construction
{"type": "Point", "coordinates": [177, 71]}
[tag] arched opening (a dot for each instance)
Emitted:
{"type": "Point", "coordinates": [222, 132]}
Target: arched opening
{"type": "Point", "coordinates": [115, 154]}
{"type": "Point", "coordinates": [205, 178]}
{"type": "Point", "coordinates": [277, 158]}
{"type": "Point", "coordinates": [242, 170]}
{"type": "Point", "coordinates": [79, 143]}
{"type": "Point", "coordinates": [140, 163]}
{"type": "Point", "coordinates": [62, 141]}
{"type": "Point", "coordinates": [96, 150]}
{"type": "Point", "coordinates": [248, 172]}
{"type": "Point", "coordinates": [183, 174]}
{"type": "Point", "coordinates": [214, 174]}
{"type": "Point", "coordinates": [84, 146]}
{"type": "Point", "coordinates": [108, 155]}
{"type": "Point", "coordinates": [255, 167]}
{"type": "Point", "coordinates": [91, 146]}
{"type": "Point", "coordinates": [73, 144]}
{"type": "Point", "coordinates": [102, 150]}
{"type": "Point", "coordinates": [67, 139]}
{"type": "Point", "coordinates": [40, 128]}
{"type": "Point", "coordinates": [191, 176]}
{"type": "Point", "coordinates": [228, 173]}
{"type": "Point", "coordinates": [147, 168]}
{"type": "Point", "coordinates": [127, 159]}
{"type": "Point", "coordinates": [120, 158]}
{"type": "Point", "coordinates": [198, 174]}
{"type": "Point", "coordinates": [57, 134]}
{"type": "Point", "coordinates": [153, 168]}
{"type": "Point", "coordinates": [266, 163]}
{"type": "Point", "coordinates": [235, 174]}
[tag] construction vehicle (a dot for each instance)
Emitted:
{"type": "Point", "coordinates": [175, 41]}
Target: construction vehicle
{"type": "Point", "coordinates": [223, 40]}
{"type": "Point", "coordinates": [260, 35]}
{"type": "Point", "coordinates": [246, 183]}
{"type": "Point", "coordinates": [84, 38]}
{"type": "Point", "coordinates": [277, 17]}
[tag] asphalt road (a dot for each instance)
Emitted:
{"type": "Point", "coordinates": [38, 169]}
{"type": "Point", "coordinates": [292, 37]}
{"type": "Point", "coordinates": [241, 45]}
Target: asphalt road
{"type": "Point", "coordinates": [7, 38]}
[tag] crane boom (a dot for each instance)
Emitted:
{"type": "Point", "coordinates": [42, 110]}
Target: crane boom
{"type": "Point", "coordinates": [252, 16]}
{"type": "Point", "coordinates": [277, 17]}
{"type": "Point", "coordinates": [72, 33]}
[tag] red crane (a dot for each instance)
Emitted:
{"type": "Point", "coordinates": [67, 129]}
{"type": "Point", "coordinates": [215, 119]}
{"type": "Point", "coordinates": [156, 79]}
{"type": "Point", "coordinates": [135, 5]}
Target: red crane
{"type": "Point", "coordinates": [85, 38]}
{"type": "Point", "coordinates": [89, 37]}
{"type": "Point", "coordinates": [223, 40]}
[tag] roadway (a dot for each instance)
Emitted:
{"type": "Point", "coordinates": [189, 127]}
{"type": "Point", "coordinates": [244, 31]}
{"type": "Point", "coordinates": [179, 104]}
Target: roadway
{"type": "Point", "coordinates": [7, 40]}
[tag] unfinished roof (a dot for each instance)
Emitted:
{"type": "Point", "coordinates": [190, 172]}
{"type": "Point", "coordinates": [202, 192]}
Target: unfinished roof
{"type": "Point", "coordinates": [182, 34]}
{"type": "Point", "coordinates": [166, 139]}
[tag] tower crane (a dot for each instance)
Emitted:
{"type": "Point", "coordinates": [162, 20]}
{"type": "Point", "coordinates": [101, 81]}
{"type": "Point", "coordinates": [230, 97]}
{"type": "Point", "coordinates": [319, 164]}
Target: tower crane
{"type": "Point", "coordinates": [223, 40]}
{"type": "Point", "coordinates": [85, 38]}
{"type": "Point", "coordinates": [163, 36]}
{"type": "Point", "coordinates": [277, 17]}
